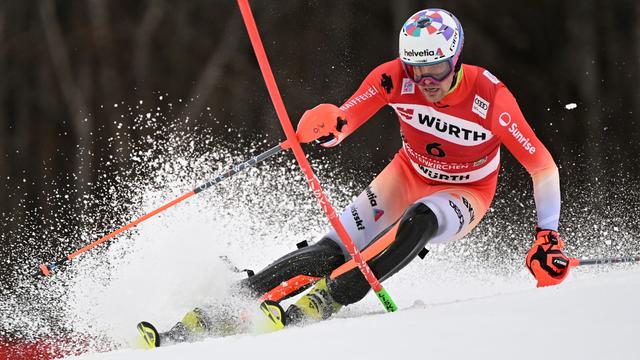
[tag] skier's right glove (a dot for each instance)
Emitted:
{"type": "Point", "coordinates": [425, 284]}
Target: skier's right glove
{"type": "Point", "coordinates": [324, 123]}
{"type": "Point", "coordinates": [546, 261]}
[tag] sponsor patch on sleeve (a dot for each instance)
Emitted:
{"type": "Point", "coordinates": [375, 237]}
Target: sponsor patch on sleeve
{"type": "Point", "coordinates": [408, 87]}
{"type": "Point", "coordinates": [480, 106]}
{"type": "Point", "coordinates": [491, 77]}
{"type": "Point", "coordinates": [355, 100]}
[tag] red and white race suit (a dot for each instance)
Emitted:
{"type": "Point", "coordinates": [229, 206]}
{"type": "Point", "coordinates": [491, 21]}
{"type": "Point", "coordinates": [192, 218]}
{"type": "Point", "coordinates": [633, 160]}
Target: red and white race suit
{"type": "Point", "coordinates": [450, 156]}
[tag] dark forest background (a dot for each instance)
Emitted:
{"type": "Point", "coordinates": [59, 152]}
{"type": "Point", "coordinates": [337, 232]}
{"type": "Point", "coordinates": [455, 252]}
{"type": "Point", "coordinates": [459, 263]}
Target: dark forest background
{"type": "Point", "coordinates": [64, 64]}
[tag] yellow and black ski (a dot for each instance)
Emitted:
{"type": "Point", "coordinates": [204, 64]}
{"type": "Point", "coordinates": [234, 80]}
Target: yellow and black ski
{"type": "Point", "coordinates": [274, 317]}
{"type": "Point", "coordinates": [149, 334]}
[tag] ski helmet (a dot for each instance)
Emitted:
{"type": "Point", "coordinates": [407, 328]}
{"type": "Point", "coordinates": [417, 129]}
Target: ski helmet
{"type": "Point", "coordinates": [430, 37]}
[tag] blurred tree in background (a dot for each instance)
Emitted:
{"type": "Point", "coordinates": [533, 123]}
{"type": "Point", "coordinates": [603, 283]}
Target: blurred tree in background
{"type": "Point", "coordinates": [66, 65]}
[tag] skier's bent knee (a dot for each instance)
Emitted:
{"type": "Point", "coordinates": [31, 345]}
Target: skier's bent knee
{"type": "Point", "coordinates": [316, 260]}
{"type": "Point", "coordinates": [414, 229]}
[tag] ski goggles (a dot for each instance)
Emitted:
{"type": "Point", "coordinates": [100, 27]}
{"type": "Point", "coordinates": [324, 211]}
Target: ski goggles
{"type": "Point", "coordinates": [435, 73]}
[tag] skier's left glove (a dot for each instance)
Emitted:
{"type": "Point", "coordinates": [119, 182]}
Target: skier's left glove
{"type": "Point", "coordinates": [545, 260]}
{"type": "Point", "coordinates": [324, 123]}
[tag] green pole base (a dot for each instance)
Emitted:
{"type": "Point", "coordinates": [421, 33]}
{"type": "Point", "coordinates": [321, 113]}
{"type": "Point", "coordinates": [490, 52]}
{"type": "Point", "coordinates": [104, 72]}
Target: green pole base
{"type": "Point", "coordinates": [386, 300]}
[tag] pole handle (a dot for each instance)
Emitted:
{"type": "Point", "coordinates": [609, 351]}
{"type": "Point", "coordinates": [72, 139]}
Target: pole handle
{"type": "Point", "coordinates": [45, 270]}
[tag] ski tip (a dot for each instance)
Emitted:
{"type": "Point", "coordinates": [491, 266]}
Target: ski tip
{"type": "Point", "coordinates": [272, 318]}
{"type": "Point", "coordinates": [149, 337]}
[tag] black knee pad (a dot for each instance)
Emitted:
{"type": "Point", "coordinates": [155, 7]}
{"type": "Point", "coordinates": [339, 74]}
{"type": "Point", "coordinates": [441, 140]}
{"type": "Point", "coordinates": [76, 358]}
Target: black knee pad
{"type": "Point", "coordinates": [316, 260]}
{"type": "Point", "coordinates": [417, 226]}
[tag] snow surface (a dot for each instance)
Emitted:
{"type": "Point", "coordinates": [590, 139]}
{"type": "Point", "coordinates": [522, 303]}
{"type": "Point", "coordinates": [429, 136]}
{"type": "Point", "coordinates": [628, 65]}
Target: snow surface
{"type": "Point", "coordinates": [480, 300]}
{"type": "Point", "coordinates": [592, 317]}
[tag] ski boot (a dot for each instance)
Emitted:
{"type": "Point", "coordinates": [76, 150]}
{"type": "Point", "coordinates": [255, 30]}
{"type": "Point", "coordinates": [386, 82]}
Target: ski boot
{"type": "Point", "coordinates": [193, 326]}
{"type": "Point", "coordinates": [314, 306]}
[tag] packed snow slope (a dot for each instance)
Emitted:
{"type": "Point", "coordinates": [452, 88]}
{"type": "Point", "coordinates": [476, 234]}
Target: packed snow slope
{"type": "Point", "coordinates": [479, 298]}
{"type": "Point", "coordinates": [589, 317]}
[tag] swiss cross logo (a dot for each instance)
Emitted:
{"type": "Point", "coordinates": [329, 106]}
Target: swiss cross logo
{"type": "Point", "coordinates": [408, 87]}
{"type": "Point", "coordinates": [405, 113]}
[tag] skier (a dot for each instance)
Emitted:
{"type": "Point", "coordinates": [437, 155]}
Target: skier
{"type": "Point", "coordinates": [453, 118]}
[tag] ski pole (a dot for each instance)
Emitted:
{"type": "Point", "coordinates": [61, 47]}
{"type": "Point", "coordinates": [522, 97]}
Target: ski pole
{"type": "Point", "coordinates": [299, 154]}
{"type": "Point", "coordinates": [46, 269]}
{"type": "Point", "coordinates": [603, 261]}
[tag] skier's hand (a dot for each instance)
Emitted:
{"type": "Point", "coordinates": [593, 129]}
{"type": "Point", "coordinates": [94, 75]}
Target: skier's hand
{"type": "Point", "coordinates": [545, 260]}
{"type": "Point", "coordinates": [324, 123]}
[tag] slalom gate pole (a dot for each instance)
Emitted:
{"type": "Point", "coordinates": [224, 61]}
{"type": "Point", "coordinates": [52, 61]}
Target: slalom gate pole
{"type": "Point", "coordinates": [46, 269]}
{"type": "Point", "coordinates": [299, 154]}
{"type": "Point", "coordinates": [603, 261]}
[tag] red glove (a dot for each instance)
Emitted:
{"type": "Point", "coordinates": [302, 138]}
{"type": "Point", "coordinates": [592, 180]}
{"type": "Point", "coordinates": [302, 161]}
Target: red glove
{"type": "Point", "coordinates": [546, 261]}
{"type": "Point", "coordinates": [323, 123]}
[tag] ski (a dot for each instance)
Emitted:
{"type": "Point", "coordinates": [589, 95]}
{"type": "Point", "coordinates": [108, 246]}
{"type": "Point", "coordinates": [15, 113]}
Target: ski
{"type": "Point", "coordinates": [274, 317]}
{"type": "Point", "coordinates": [149, 337]}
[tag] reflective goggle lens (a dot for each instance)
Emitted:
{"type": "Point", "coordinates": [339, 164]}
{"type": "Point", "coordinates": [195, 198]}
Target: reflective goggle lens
{"type": "Point", "coordinates": [435, 73]}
